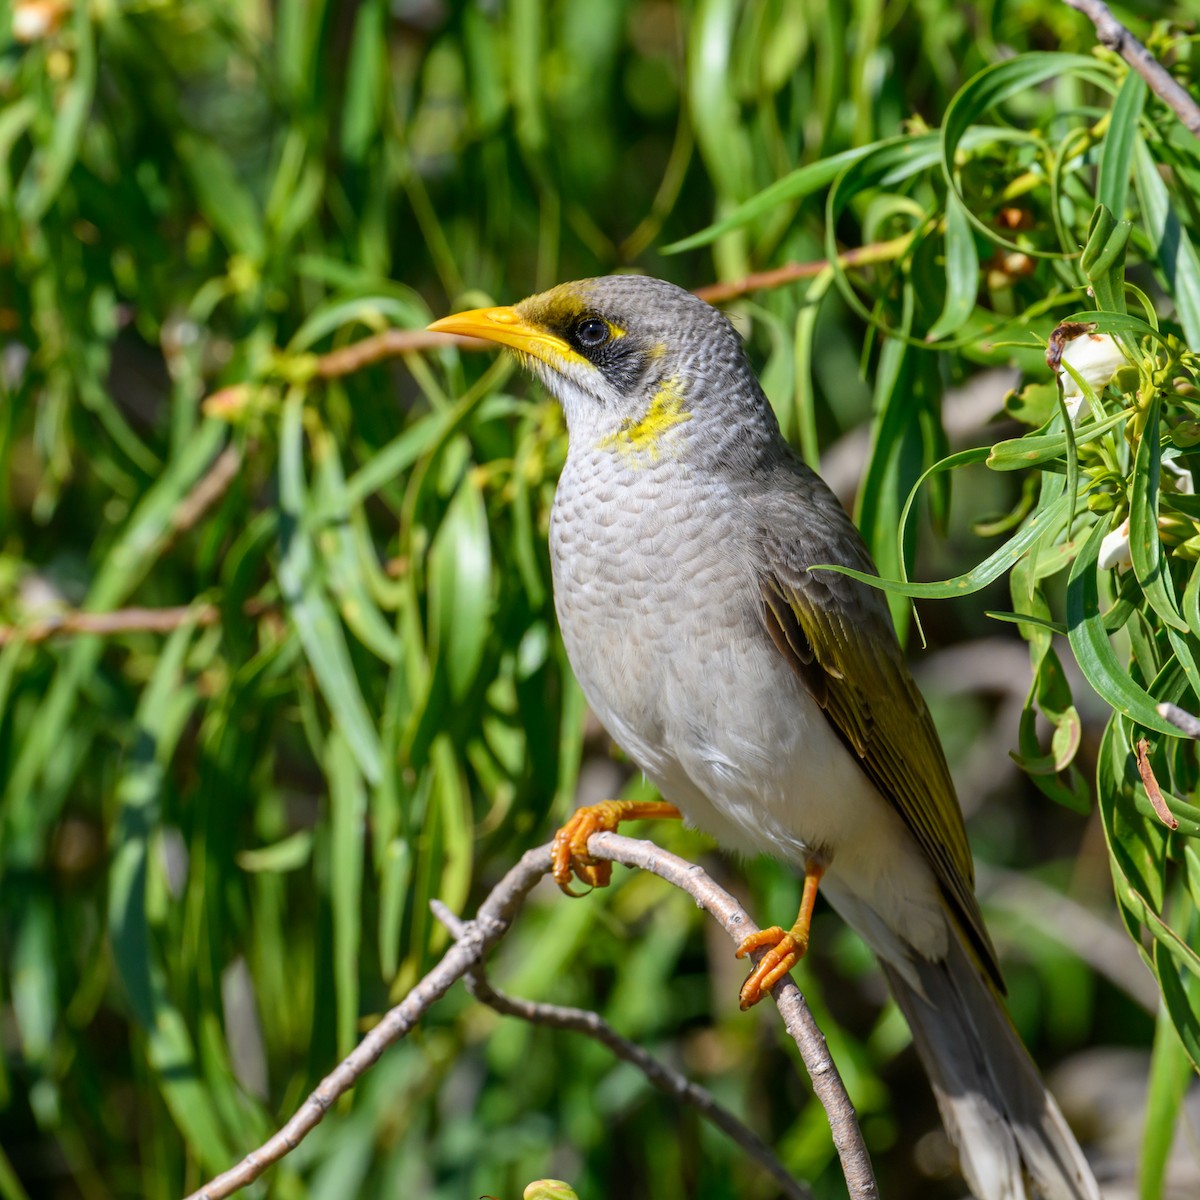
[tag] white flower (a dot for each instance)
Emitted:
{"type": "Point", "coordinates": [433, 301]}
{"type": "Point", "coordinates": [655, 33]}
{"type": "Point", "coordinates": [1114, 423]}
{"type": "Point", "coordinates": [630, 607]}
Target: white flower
{"type": "Point", "coordinates": [1114, 549]}
{"type": "Point", "coordinates": [33, 20]}
{"type": "Point", "coordinates": [1094, 357]}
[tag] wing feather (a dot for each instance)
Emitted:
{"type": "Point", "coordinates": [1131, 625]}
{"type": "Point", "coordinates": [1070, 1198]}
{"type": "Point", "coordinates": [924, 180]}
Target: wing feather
{"type": "Point", "coordinates": [837, 635]}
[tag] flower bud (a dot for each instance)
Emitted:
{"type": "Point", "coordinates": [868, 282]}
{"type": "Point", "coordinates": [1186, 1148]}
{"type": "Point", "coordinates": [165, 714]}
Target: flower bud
{"type": "Point", "coordinates": [1094, 357]}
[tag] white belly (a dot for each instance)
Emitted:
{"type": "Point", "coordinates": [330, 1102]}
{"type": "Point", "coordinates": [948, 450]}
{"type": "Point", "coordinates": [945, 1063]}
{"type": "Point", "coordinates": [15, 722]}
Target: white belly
{"type": "Point", "coordinates": [659, 614]}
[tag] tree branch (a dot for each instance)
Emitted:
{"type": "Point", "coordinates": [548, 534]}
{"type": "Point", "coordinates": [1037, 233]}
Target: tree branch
{"type": "Point", "coordinates": [797, 1019]}
{"type": "Point", "coordinates": [1181, 718]}
{"type": "Point", "coordinates": [859, 256]}
{"type": "Point", "coordinates": [591, 1024]}
{"type": "Point", "coordinates": [122, 620]}
{"type": "Point", "coordinates": [478, 936]}
{"type": "Point", "coordinates": [391, 342]}
{"type": "Point", "coordinates": [1115, 36]}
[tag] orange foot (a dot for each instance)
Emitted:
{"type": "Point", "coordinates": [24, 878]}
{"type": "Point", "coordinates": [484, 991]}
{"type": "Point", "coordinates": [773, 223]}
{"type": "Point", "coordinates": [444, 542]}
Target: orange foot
{"type": "Point", "coordinates": [788, 947]}
{"type": "Point", "coordinates": [569, 854]}
{"type": "Point", "coordinates": [786, 951]}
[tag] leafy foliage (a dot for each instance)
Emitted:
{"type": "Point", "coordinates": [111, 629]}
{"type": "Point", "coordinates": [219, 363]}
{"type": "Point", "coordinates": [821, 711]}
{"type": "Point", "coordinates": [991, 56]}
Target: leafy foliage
{"type": "Point", "coordinates": [218, 843]}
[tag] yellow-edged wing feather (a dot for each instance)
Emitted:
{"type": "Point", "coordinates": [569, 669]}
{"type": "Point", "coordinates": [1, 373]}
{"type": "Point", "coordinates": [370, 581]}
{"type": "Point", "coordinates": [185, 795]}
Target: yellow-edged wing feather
{"type": "Point", "coordinates": [837, 635]}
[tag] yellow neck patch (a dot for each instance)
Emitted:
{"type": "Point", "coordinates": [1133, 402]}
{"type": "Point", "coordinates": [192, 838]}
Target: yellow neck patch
{"type": "Point", "coordinates": [641, 436]}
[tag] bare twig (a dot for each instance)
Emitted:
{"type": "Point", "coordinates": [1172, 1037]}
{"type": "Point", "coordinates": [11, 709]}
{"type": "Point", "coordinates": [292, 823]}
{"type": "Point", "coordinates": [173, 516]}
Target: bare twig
{"type": "Point", "coordinates": [391, 343]}
{"type": "Point", "coordinates": [859, 256]}
{"type": "Point", "coordinates": [122, 620]}
{"type": "Point", "coordinates": [591, 1024]}
{"type": "Point", "coordinates": [208, 490]}
{"type": "Point", "coordinates": [1116, 37]}
{"type": "Point", "coordinates": [388, 344]}
{"type": "Point", "coordinates": [479, 935]}
{"type": "Point", "coordinates": [1180, 718]}
{"type": "Point", "coordinates": [490, 924]}
{"type": "Point", "coordinates": [797, 1019]}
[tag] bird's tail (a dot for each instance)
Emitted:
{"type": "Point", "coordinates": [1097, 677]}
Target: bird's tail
{"type": "Point", "coordinates": [1012, 1140]}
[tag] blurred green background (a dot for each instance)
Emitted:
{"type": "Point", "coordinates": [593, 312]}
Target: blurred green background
{"type": "Point", "coordinates": [221, 824]}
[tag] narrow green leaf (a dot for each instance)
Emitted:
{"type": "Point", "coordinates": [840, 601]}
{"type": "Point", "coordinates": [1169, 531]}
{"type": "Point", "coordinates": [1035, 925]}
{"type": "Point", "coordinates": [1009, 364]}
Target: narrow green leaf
{"type": "Point", "coordinates": [803, 181]}
{"type": "Point", "coordinates": [348, 808]}
{"type": "Point", "coordinates": [962, 272]}
{"type": "Point", "coordinates": [991, 87]}
{"type": "Point", "coordinates": [1091, 647]}
{"type": "Point", "coordinates": [316, 624]}
{"type": "Point", "coordinates": [1103, 258]}
{"type": "Point", "coordinates": [48, 169]}
{"type": "Point", "coordinates": [460, 571]}
{"type": "Point", "coordinates": [1170, 1075]}
{"type": "Point", "coordinates": [1150, 564]}
{"type": "Point", "coordinates": [1173, 248]}
{"type": "Point", "coordinates": [1116, 156]}
{"type": "Point", "coordinates": [1041, 524]}
{"type": "Point", "coordinates": [222, 195]}
{"type": "Point", "coordinates": [1034, 449]}
{"type": "Point", "coordinates": [366, 75]}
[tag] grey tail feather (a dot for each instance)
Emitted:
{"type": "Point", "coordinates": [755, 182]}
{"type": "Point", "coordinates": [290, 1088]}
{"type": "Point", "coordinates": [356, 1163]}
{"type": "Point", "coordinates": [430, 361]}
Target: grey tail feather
{"type": "Point", "coordinates": [1012, 1140]}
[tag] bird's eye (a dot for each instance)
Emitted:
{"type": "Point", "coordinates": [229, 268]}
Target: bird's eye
{"type": "Point", "coordinates": [592, 332]}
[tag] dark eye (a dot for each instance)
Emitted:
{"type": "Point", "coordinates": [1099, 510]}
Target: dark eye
{"type": "Point", "coordinates": [592, 332]}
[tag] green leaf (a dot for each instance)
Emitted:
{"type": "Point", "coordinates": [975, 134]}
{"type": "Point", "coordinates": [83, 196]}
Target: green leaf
{"type": "Point", "coordinates": [797, 184]}
{"type": "Point", "coordinates": [1170, 1075]}
{"type": "Point", "coordinates": [1043, 523]}
{"type": "Point", "coordinates": [1091, 647]}
{"type": "Point", "coordinates": [990, 88]}
{"type": "Point", "coordinates": [1173, 248]}
{"type": "Point", "coordinates": [1103, 258]}
{"type": "Point", "coordinates": [348, 808]}
{"type": "Point", "coordinates": [222, 196]}
{"type": "Point", "coordinates": [460, 571]}
{"type": "Point", "coordinates": [48, 169]}
{"type": "Point", "coordinates": [319, 630]}
{"type": "Point", "coordinates": [1035, 449]}
{"type": "Point", "coordinates": [366, 75]}
{"type": "Point", "coordinates": [1116, 155]}
{"type": "Point", "coordinates": [1150, 564]}
{"type": "Point", "coordinates": [962, 272]}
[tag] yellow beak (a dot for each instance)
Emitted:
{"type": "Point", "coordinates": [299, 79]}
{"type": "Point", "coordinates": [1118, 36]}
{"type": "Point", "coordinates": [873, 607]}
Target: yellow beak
{"type": "Point", "coordinates": [506, 326]}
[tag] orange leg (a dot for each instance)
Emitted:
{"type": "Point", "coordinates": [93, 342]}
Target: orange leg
{"type": "Point", "coordinates": [570, 853]}
{"type": "Point", "coordinates": [787, 948]}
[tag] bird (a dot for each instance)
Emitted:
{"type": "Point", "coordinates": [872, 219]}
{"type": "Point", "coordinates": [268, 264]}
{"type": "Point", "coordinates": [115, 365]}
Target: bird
{"type": "Point", "coordinates": [770, 703]}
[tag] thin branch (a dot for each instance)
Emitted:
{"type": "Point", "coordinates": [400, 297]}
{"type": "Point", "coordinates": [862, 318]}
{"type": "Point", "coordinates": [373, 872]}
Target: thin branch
{"type": "Point", "coordinates": [1181, 718]}
{"type": "Point", "coordinates": [478, 936]}
{"type": "Point", "coordinates": [122, 620]}
{"type": "Point", "coordinates": [391, 343]}
{"type": "Point", "coordinates": [1115, 36]}
{"type": "Point", "coordinates": [491, 922]}
{"type": "Point", "coordinates": [860, 256]}
{"type": "Point", "coordinates": [208, 490]}
{"type": "Point", "coordinates": [591, 1024]}
{"type": "Point", "coordinates": [388, 344]}
{"type": "Point", "coordinates": [797, 1019]}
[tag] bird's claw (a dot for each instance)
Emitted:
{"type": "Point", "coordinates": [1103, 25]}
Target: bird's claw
{"type": "Point", "coordinates": [786, 950]}
{"type": "Point", "coordinates": [569, 853]}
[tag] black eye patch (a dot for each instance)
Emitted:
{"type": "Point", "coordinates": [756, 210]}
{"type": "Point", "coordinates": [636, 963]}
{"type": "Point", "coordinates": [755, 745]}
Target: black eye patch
{"type": "Point", "coordinates": [591, 332]}
{"type": "Point", "coordinates": [607, 346]}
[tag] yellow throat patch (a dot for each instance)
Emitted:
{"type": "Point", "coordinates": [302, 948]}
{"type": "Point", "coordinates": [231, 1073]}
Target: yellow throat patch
{"type": "Point", "coordinates": [640, 437]}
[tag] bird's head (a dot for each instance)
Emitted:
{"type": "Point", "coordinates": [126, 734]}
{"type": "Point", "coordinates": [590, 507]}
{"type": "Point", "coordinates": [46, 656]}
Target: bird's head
{"type": "Point", "coordinates": [634, 361]}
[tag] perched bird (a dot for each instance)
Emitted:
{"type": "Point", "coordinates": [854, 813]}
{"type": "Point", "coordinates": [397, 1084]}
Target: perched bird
{"type": "Point", "coordinates": [771, 704]}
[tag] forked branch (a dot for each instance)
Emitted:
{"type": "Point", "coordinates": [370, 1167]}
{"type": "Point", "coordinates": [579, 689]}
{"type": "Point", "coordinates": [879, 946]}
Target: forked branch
{"type": "Point", "coordinates": [475, 938]}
